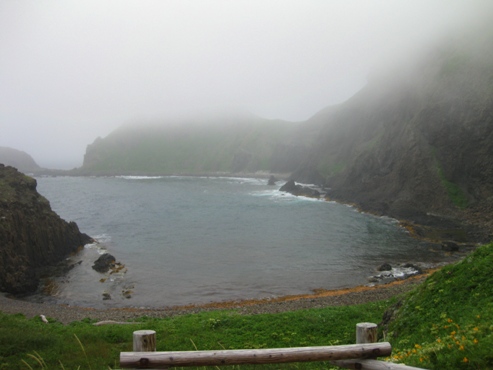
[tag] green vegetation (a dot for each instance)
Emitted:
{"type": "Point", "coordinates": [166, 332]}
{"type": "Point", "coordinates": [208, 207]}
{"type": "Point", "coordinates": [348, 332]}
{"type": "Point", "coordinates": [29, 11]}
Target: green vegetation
{"type": "Point", "coordinates": [246, 145]}
{"type": "Point", "coordinates": [22, 340]}
{"type": "Point", "coordinates": [327, 169]}
{"type": "Point", "coordinates": [454, 192]}
{"type": "Point", "coordinates": [445, 323]}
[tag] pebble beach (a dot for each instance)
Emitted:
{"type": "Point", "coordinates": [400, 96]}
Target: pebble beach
{"type": "Point", "coordinates": [323, 298]}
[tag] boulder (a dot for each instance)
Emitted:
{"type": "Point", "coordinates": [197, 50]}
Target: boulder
{"type": "Point", "coordinates": [104, 263]}
{"type": "Point", "coordinates": [299, 190]}
{"type": "Point", "coordinates": [272, 180]}
{"type": "Point", "coordinates": [448, 246]}
{"type": "Point", "coordinates": [385, 267]}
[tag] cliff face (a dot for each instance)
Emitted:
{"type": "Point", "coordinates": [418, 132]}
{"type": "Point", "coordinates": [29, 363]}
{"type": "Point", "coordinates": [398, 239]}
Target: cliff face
{"type": "Point", "coordinates": [32, 236]}
{"type": "Point", "coordinates": [415, 142]}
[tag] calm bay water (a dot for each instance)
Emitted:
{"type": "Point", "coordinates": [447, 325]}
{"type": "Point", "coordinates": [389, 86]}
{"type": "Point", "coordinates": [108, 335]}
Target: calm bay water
{"type": "Point", "coordinates": [190, 240]}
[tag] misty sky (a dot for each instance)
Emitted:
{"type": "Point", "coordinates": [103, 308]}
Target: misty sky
{"type": "Point", "coordinates": [71, 71]}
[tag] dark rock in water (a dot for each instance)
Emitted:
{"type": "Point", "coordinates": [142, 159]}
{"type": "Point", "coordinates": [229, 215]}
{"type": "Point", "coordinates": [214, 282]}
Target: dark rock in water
{"type": "Point", "coordinates": [106, 296]}
{"type": "Point", "coordinates": [33, 238]}
{"type": "Point", "coordinates": [298, 190]}
{"type": "Point", "coordinates": [104, 263]}
{"type": "Point", "coordinates": [272, 180]}
{"type": "Point", "coordinates": [450, 247]}
{"type": "Point", "coordinates": [289, 186]}
{"type": "Point", "coordinates": [385, 267]}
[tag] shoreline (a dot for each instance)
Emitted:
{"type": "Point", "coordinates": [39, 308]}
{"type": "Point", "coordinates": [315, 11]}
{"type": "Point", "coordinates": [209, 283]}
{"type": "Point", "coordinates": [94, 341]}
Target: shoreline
{"type": "Point", "coordinates": [319, 299]}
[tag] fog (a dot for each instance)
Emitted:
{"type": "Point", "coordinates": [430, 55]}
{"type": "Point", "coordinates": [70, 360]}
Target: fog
{"type": "Point", "coordinates": [74, 70]}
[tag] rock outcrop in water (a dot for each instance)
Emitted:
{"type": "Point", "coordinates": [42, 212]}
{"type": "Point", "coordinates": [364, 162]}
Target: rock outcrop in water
{"type": "Point", "coordinates": [32, 236]}
{"type": "Point", "coordinates": [299, 190]}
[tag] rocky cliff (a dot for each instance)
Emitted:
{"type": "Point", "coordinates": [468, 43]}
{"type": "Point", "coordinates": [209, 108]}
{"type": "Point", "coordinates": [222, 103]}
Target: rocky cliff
{"type": "Point", "coordinates": [32, 236]}
{"type": "Point", "coordinates": [417, 142]}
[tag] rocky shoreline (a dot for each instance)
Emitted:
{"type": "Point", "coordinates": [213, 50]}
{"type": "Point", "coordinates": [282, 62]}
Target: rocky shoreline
{"type": "Point", "coordinates": [322, 298]}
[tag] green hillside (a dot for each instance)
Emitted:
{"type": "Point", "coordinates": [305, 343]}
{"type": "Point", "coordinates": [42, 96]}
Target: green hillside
{"type": "Point", "coordinates": [225, 145]}
{"type": "Point", "coordinates": [446, 323]}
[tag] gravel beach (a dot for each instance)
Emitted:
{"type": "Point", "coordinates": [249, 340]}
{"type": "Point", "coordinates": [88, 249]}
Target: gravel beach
{"type": "Point", "coordinates": [357, 295]}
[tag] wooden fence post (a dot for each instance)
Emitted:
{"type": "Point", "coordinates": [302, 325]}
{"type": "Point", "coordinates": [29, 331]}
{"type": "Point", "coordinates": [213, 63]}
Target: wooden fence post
{"type": "Point", "coordinates": [366, 332]}
{"type": "Point", "coordinates": [144, 341]}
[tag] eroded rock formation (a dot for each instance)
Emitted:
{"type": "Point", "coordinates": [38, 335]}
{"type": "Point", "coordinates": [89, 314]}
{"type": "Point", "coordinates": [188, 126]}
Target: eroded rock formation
{"type": "Point", "coordinates": [32, 236]}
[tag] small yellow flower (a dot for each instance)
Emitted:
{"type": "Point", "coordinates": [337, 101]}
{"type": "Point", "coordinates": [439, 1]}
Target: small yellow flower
{"type": "Point", "coordinates": [439, 340]}
{"type": "Point", "coordinates": [465, 359]}
{"type": "Point", "coordinates": [453, 333]}
{"type": "Point", "coordinates": [461, 348]}
{"type": "Point", "coordinates": [421, 359]}
{"type": "Point", "coordinates": [476, 329]}
{"type": "Point", "coordinates": [478, 316]}
{"type": "Point", "coordinates": [417, 346]}
{"type": "Point", "coordinates": [450, 320]}
{"type": "Point", "coordinates": [475, 341]}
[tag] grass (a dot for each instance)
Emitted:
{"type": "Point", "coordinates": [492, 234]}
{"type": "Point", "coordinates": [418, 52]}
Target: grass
{"type": "Point", "coordinates": [29, 343]}
{"type": "Point", "coordinates": [445, 323]}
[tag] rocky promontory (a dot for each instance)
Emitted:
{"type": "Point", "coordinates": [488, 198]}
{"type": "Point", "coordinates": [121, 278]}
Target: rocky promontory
{"type": "Point", "coordinates": [33, 237]}
{"type": "Point", "coordinates": [18, 159]}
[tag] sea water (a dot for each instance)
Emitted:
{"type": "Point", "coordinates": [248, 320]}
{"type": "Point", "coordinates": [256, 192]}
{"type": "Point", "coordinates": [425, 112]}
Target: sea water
{"type": "Point", "coordinates": [193, 240]}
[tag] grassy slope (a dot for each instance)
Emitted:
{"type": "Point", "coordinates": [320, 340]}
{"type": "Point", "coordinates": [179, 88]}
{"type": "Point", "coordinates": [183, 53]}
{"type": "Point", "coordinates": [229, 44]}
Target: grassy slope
{"type": "Point", "coordinates": [58, 344]}
{"type": "Point", "coordinates": [447, 321]}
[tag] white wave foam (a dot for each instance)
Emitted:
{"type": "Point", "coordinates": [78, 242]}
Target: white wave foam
{"type": "Point", "coordinates": [139, 177]}
{"type": "Point", "coordinates": [277, 195]}
{"type": "Point", "coordinates": [99, 245]}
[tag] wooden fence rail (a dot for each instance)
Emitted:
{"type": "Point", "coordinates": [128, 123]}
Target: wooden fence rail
{"type": "Point", "coordinates": [359, 356]}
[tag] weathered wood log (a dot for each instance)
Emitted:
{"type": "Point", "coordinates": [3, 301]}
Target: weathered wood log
{"type": "Point", "coordinates": [366, 332]}
{"type": "Point", "coordinates": [144, 341]}
{"type": "Point", "coordinates": [161, 360]}
{"type": "Point", "coordinates": [361, 364]}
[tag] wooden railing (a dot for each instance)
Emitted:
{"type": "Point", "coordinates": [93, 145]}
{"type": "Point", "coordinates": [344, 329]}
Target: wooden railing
{"type": "Point", "coordinates": [361, 355]}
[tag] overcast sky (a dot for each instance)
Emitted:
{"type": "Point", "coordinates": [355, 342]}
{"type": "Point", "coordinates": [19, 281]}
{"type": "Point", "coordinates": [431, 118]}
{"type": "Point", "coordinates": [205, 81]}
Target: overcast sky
{"type": "Point", "coordinates": [71, 71]}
